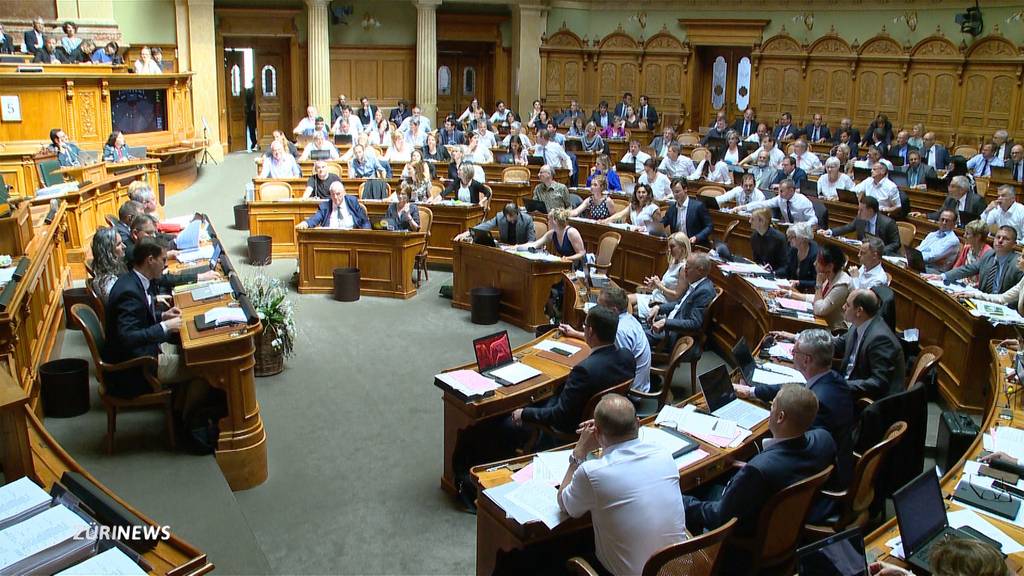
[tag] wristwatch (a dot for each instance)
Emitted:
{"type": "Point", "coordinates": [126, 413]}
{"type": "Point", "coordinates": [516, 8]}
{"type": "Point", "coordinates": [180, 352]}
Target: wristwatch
{"type": "Point", "coordinates": [574, 461]}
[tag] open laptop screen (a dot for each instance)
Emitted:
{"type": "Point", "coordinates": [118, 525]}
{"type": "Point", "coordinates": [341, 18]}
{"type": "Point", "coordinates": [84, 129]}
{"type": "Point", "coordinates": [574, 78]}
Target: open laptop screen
{"type": "Point", "coordinates": [716, 386]}
{"type": "Point", "coordinates": [920, 511]}
{"type": "Point", "coordinates": [838, 555]}
{"type": "Point", "coordinates": [493, 350]}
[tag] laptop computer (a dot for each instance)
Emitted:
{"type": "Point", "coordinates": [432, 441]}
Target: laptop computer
{"type": "Point", "coordinates": [848, 196]}
{"type": "Point", "coordinates": [937, 184]}
{"type": "Point", "coordinates": [504, 158]}
{"type": "Point", "coordinates": [211, 265]}
{"type": "Point", "coordinates": [716, 386]}
{"type": "Point", "coordinates": [482, 237]}
{"type": "Point", "coordinates": [532, 205]}
{"type": "Point", "coordinates": [628, 167]}
{"type": "Point", "coordinates": [896, 160]}
{"type": "Point", "coordinates": [137, 151]}
{"type": "Point", "coordinates": [915, 260]}
{"type": "Point", "coordinates": [921, 516]}
{"type": "Point", "coordinates": [809, 187]}
{"type": "Point", "coordinates": [710, 202]}
{"type": "Point", "coordinates": [838, 555]}
{"type": "Point", "coordinates": [343, 139]}
{"type": "Point", "coordinates": [744, 360]}
{"type": "Point", "coordinates": [494, 359]}
{"type": "Point", "coordinates": [861, 174]}
{"type": "Point", "coordinates": [535, 160]}
{"type": "Point", "coordinates": [320, 155]}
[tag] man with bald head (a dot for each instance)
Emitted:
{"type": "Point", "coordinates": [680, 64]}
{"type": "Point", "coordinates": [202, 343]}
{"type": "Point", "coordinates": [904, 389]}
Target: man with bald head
{"type": "Point", "coordinates": [340, 212]}
{"type": "Point", "coordinates": [934, 154]}
{"type": "Point", "coordinates": [1016, 163]}
{"type": "Point", "coordinates": [631, 491]}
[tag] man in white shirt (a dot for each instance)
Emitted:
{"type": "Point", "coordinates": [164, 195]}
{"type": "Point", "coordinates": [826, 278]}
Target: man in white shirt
{"type": "Point", "coordinates": [307, 125]}
{"type": "Point", "coordinates": [318, 143]}
{"type": "Point", "coordinates": [743, 194]}
{"type": "Point", "coordinates": [485, 135]}
{"type": "Point", "coordinates": [939, 248]}
{"type": "Point", "coordinates": [793, 206]}
{"type": "Point", "coordinates": [674, 164]}
{"type": "Point", "coordinates": [341, 212]}
{"type": "Point", "coordinates": [870, 273]}
{"type": "Point", "coordinates": [775, 155]}
{"type": "Point", "coordinates": [759, 134]}
{"type": "Point", "coordinates": [981, 164]}
{"type": "Point", "coordinates": [280, 164]}
{"type": "Point", "coordinates": [874, 157]}
{"type": "Point", "coordinates": [631, 491]}
{"type": "Point", "coordinates": [635, 156]}
{"type": "Point", "coordinates": [628, 336]}
{"type": "Point", "coordinates": [806, 160]}
{"type": "Point", "coordinates": [515, 131]}
{"type": "Point", "coordinates": [347, 123]}
{"type": "Point", "coordinates": [424, 122]}
{"type": "Point", "coordinates": [500, 115]}
{"type": "Point", "coordinates": [882, 189]}
{"type": "Point", "coordinates": [552, 152]}
{"type": "Point", "coordinates": [1005, 210]}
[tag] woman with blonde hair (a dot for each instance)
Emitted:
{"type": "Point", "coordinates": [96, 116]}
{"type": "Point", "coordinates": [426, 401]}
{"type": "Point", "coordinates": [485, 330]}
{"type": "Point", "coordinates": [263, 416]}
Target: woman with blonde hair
{"type": "Point", "coordinates": [399, 151]}
{"type": "Point", "coordinates": [665, 289]}
{"type": "Point", "coordinates": [598, 205]}
{"type": "Point", "coordinates": [566, 240]}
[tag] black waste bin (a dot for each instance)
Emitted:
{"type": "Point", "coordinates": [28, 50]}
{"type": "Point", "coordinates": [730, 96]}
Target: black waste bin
{"type": "Point", "coordinates": [241, 216]}
{"type": "Point", "coordinates": [260, 250]}
{"type": "Point", "coordinates": [74, 296]}
{"type": "Point", "coordinates": [64, 387]}
{"type": "Point", "coordinates": [485, 305]}
{"type": "Point", "coordinates": [346, 284]}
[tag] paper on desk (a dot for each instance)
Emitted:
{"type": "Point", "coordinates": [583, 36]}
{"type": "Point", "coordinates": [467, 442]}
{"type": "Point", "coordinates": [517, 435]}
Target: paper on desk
{"type": "Point", "coordinates": [515, 372]}
{"type": "Point", "coordinates": [226, 315]}
{"type": "Point", "coordinates": [765, 284]}
{"type": "Point", "coordinates": [540, 500]}
{"type": "Point", "coordinates": [690, 458]}
{"type": "Point", "coordinates": [542, 256]}
{"type": "Point", "coordinates": [500, 496]}
{"type": "Point", "coordinates": [550, 467]}
{"type": "Point", "coordinates": [664, 440]}
{"type": "Point", "coordinates": [40, 532]}
{"type": "Point", "coordinates": [791, 304]}
{"type": "Point", "coordinates": [1009, 440]}
{"type": "Point", "coordinates": [188, 239]}
{"type": "Point", "coordinates": [468, 382]}
{"type": "Point", "coordinates": [6, 274]}
{"type": "Point", "coordinates": [113, 562]}
{"type": "Point", "coordinates": [774, 378]}
{"type": "Point", "coordinates": [743, 268]}
{"type": "Point", "coordinates": [20, 496]}
{"type": "Point", "coordinates": [553, 345]}
{"type": "Point", "coordinates": [782, 350]}
{"type": "Point", "coordinates": [201, 253]}
{"type": "Point", "coordinates": [523, 474]}
{"type": "Point", "coordinates": [212, 290]}
{"type": "Point", "coordinates": [710, 429]}
{"type": "Point", "coordinates": [972, 470]}
{"type": "Point", "coordinates": [995, 312]}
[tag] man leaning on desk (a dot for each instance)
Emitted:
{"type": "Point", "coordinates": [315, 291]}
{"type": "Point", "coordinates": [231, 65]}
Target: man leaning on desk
{"type": "Point", "coordinates": [514, 227]}
{"type": "Point", "coordinates": [341, 212]}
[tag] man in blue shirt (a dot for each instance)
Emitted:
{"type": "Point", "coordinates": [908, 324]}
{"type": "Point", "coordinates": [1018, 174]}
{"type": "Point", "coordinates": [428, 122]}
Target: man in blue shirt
{"type": "Point", "coordinates": [939, 248]}
{"type": "Point", "coordinates": [363, 166]}
{"type": "Point", "coordinates": [981, 164]}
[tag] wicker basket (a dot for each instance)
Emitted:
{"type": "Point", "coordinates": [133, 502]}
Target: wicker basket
{"type": "Point", "coordinates": [269, 361]}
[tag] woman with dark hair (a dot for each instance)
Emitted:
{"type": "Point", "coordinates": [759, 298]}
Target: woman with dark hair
{"type": "Point", "coordinates": [598, 205]}
{"type": "Point", "coordinates": [712, 168]}
{"type": "Point", "coordinates": [641, 209]}
{"type": "Point", "coordinates": [542, 120]}
{"type": "Point", "coordinates": [515, 148]}
{"type": "Point", "coordinates": [958, 167]}
{"type": "Point", "coordinates": [432, 151]}
{"type": "Point", "coordinates": [576, 128]}
{"type": "Point", "coordinates": [116, 150]}
{"type": "Point", "coordinates": [107, 262]}
{"type": "Point", "coordinates": [832, 286]}
{"type": "Point", "coordinates": [70, 41]}
{"type": "Point", "coordinates": [881, 122]}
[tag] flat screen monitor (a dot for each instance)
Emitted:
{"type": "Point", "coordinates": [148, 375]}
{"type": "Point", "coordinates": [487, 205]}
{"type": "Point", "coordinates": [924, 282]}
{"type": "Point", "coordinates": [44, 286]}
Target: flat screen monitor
{"type": "Point", "coordinates": [138, 111]}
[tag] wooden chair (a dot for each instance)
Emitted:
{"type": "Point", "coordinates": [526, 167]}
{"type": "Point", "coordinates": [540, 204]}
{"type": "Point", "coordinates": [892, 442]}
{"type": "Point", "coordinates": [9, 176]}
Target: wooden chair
{"type": "Point", "coordinates": [965, 151]}
{"type": "Point", "coordinates": [854, 503]}
{"type": "Point", "coordinates": [515, 174]}
{"type": "Point", "coordinates": [926, 360]}
{"type": "Point", "coordinates": [275, 191]}
{"type": "Point", "coordinates": [540, 228]}
{"type": "Point", "coordinates": [420, 263]}
{"type": "Point", "coordinates": [907, 233]}
{"type": "Point", "coordinates": [627, 178]}
{"type": "Point", "coordinates": [981, 184]}
{"type": "Point", "coordinates": [711, 190]}
{"type": "Point", "coordinates": [606, 246]}
{"type": "Point", "coordinates": [696, 556]}
{"type": "Point", "coordinates": [729, 230]}
{"type": "Point", "coordinates": [335, 168]}
{"type": "Point", "coordinates": [688, 139]}
{"type": "Point", "coordinates": [700, 338]}
{"type": "Point", "coordinates": [620, 204]}
{"type": "Point", "coordinates": [699, 153]}
{"type": "Point", "coordinates": [588, 413]}
{"type": "Point", "coordinates": [570, 298]}
{"type": "Point", "coordinates": [436, 190]}
{"type": "Point", "coordinates": [651, 402]}
{"type": "Point", "coordinates": [780, 526]}
{"type": "Point", "coordinates": [159, 397]}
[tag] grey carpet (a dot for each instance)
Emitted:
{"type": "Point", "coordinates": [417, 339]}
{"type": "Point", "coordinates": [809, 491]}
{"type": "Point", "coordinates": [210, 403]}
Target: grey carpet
{"type": "Point", "coordinates": [354, 433]}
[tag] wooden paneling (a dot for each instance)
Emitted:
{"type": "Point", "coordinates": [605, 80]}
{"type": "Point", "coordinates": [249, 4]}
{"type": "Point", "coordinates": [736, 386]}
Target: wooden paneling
{"type": "Point", "coordinates": [963, 93]}
{"type": "Point", "coordinates": [384, 74]}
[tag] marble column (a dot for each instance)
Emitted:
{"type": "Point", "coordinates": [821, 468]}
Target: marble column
{"type": "Point", "coordinates": [426, 57]}
{"type": "Point", "coordinates": [318, 76]}
{"type": "Point", "coordinates": [529, 22]}
{"type": "Point", "coordinates": [205, 64]}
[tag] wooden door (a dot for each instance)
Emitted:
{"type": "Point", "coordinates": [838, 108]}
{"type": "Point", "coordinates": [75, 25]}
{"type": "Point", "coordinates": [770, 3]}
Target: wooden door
{"type": "Point", "coordinates": [234, 86]}
{"type": "Point", "coordinates": [447, 85]}
{"type": "Point", "coordinates": [719, 69]}
{"type": "Point", "coordinates": [469, 73]}
{"type": "Point", "coordinates": [272, 90]}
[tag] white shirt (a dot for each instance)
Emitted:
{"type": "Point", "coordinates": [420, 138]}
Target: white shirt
{"type": "Point", "coordinates": [416, 140]}
{"type": "Point", "coordinates": [681, 167]}
{"type": "Point", "coordinates": [740, 197]}
{"type": "Point", "coordinates": [1013, 217]}
{"type": "Point", "coordinates": [827, 189]}
{"type": "Point", "coordinates": [981, 166]}
{"type": "Point", "coordinates": [341, 218]}
{"type": "Point", "coordinates": [866, 164]}
{"type": "Point", "coordinates": [311, 146]}
{"type": "Point", "coordinates": [661, 187]}
{"type": "Point", "coordinates": [393, 155]}
{"type": "Point", "coordinates": [775, 157]}
{"type": "Point", "coordinates": [355, 126]}
{"type": "Point", "coordinates": [305, 124]}
{"type": "Point", "coordinates": [554, 155]}
{"type": "Point", "coordinates": [732, 156]}
{"type": "Point", "coordinates": [800, 206]}
{"type": "Point", "coordinates": [637, 161]}
{"type": "Point", "coordinates": [808, 161]}
{"type": "Point", "coordinates": [482, 155]}
{"type": "Point", "coordinates": [150, 67]}
{"type": "Point", "coordinates": [499, 116]}
{"type": "Point", "coordinates": [632, 494]}
{"type": "Point", "coordinates": [522, 138]}
{"type": "Point", "coordinates": [643, 216]}
{"type": "Point", "coordinates": [720, 174]}
{"type": "Point", "coordinates": [885, 191]}
{"type": "Point", "coordinates": [867, 279]}
{"type": "Point", "coordinates": [424, 124]}
{"type": "Point", "coordinates": [630, 336]}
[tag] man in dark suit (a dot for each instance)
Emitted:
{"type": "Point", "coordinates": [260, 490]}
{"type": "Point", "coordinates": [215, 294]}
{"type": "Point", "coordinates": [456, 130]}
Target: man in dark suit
{"type": "Point", "coordinates": [627, 102]}
{"type": "Point", "coordinates": [812, 357]}
{"type": "Point", "coordinates": [51, 53]}
{"type": "Point", "coordinates": [126, 214]}
{"type": "Point", "coordinates": [647, 112]}
{"type": "Point", "coordinates": [872, 358]}
{"type": "Point", "coordinates": [746, 125]}
{"type": "Point", "coordinates": [789, 171]}
{"type": "Point", "coordinates": [997, 270]}
{"type": "Point", "coordinates": [717, 131]}
{"type": "Point", "coordinates": [514, 227]}
{"type": "Point", "coordinates": [399, 113]}
{"type": "Point", "coordinates": [601, 116]}
{"type": "Point", "coordinates": [816, 131]}
{"type": "Point", "coordinates": [845, 125]}
{"type": "Point", "coordinates": [967, 205]}
{"type": "Point", "coordinates": [795, 453]}
{"type": "Point", "coordinates": [366, 111]}
{"type": "Point", "coordinates": [341, 211]}
{"type": "Point", "coordinates": [605, 367]}
{"type": "Point", "coordinates": [785, 130]}
{"type": "Point", "coordinates": [35, 38]}
{"type": "Point", "coordinates": [688, 216]}
{"type": "Point", "coordinates": [685, 315]}
{"type": "Point", "coordinates": [143, 228]}
{"type": "Point", "coordinates": [901, 148]}
{"type": "Point", "coordinates": [917, 172]}
{"type": "Point", "coordinates": [661, 143]}
{"type": "Point", "coordinates": [6, 42]}
{"type": "Point", "coordinates": [451, 135]}
{"type": "Point", "coordinates": [870, 222]}
{"type": "Point", "coordinates": [340, 105]}
{"type": "Point", "coordinates": [134, 328]}
{"type": "Point", "coordinates": [1016, 163]}
{"type": "Point", "coordinates": [932, 153]}
{"type": "Point", "coordinates": [877, 141]}
{"type": "Point", "coordinates": [1003, 145]}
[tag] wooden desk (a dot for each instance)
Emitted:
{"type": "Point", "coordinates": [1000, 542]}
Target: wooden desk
{"type": "Point", "coordinates": [298, 185]}
{"type": "Point", "coordinates": [525, 284]}
{"type": "Point", "coordinates": [637, 257]}
{"type": "Point", "coordinates": [178, 169]}
{"type": "Point", "coordinates": [278, 219]}
{"type": "Point", "coordinates": [504, 192]}
{"type": "Point", "coordinates": [384, 258]}
{"type": "Point", "coordinates": [995, 401]}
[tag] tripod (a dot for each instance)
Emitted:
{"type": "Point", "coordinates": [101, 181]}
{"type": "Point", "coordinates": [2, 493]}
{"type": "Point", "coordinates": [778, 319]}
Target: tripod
{"type": "Point", "coordinates": [206, 157]}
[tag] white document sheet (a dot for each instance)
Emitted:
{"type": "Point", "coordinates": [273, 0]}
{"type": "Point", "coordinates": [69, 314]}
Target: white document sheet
{"type": "Point", "coordinates": [556, 345]}
{"type": "Point", "coordinates": [40, 532]}
{"type": "Point", "coordinates": [540, 499]}
{"type": "Point", "coordinates": [550, 467]}
{"type": "Point", "coordinates": [514, 373]}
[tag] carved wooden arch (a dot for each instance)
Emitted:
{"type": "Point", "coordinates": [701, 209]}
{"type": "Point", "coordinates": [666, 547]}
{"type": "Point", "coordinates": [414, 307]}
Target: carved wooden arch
{"type": "Point", "coordinates": [994, 47]}
{"type": "Point", "coordinates": [882, 45]}
{"type": "Point", "coordinates": [618, 42]}
{"type": "Point", "coordinates": [564, 38]}
{"type": "Point", "coordinates": [663, 42]}
{"type": "Point", "coordinates": [781, 43]}
{"type": "Point", "coordinates": [936, 46]}
{"type": "Point", "coordinates": [831, 44]}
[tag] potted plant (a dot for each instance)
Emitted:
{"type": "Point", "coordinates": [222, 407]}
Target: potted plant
{"type": "Point", "coordinates": [277, 341]}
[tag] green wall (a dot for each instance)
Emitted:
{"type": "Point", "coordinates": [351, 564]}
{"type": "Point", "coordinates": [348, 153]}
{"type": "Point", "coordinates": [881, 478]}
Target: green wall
{"type": "Point", "coordinates": [397, 24]}
{"type": "Point", "coordinates": [145, 21]}
{"type": "Point", "coordinates": [850, 24]}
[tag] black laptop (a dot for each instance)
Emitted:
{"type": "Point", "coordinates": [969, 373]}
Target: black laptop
{"type": "Point", "coordinates": [915, 260]}
{"type": "Point", "coordinates": [921, 515]}
{"type": "Point", "coordinates": [710, 202]}
{"type": "Point", "coordinates": [899, 178]}
{"type": "Point", "coordinates": [343, 139]}
{"type": "Point", "coordinates": [744, 360]}
{"type": "Point", "coordinates": [847, 196]}
{"type": "Point", "coordinates": [716, 387]}
{"type": "Point", "coordinates": [535, 160]}
{"type": "Point", "coordinates": [532, 205]}
{"type": "Point", "coordinates": [861, 173]}
{"type": "Point", "coordinates": [809, 187]}
{"type": "Point", "coordinates": [320, 155]}
{"type": "Point", "coordinates": [937, 184]}
{"type": "Point", "coordinates": [482, 237]}
{"type": "Point", "coordinates": [838, 555]}
{"type": "Point", "coordinates": [628, 167]}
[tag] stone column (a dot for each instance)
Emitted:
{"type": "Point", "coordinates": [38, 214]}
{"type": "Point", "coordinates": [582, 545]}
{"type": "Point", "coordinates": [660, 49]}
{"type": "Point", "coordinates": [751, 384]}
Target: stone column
{"type": "Point", "coordinates": [205, 63]}
{"type": "Point", "coordinates": [318, 76]}
{"type": "Point", "coordinates": [426, 58]}
{"type": "Point", "coordinates": [529, 22]}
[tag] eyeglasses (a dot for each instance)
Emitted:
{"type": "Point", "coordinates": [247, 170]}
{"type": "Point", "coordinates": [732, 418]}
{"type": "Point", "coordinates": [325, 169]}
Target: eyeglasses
{"type": "Point", "coordinates": [988, 494]}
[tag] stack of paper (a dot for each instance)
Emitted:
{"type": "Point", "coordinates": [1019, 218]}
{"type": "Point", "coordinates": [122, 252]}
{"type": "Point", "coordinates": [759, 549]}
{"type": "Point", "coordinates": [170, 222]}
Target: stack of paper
{"type": "Point", "coordinates": [766, 284]}
{"type": "Point", "coordinates": [996, 313]}
{"type": "Point", "coordinates": [53, 536]}
{"type": "Point", "coordinates": [212, 290]}
{"type": "Point", "coordinates": [714, 431]}
{"type": "Point", "coordinates": [557, 346]}
{"type": "Point", "coordinates": [550, 467]}
{"type": "Point", "coordinates": [469, 383]}
{"type": "Point", "coordinates": [222, 315]}
{"type": "Point", "coordinates": [791, 304]}
{"type": "Point", "coordinates": [188, 239]}
{"type": "Point", "coordinates": [542, 256]}
{"type": "Point", "coordinates": [1010, 441]}
{"type": "Point", "coordinates": [783, 350]}
{"type": "Point", "coordinates": [201, 253]}
{"type": "Point", "coordinates": [20, 500]}
{"type": "Point", "coordinates": [743, 268]}
{"type": "Point", "coordinates": [777, 374]}
{"type": "Point", "coordinates": [529, 501]}
{"type": "Point", "coordinates": [113, 562]}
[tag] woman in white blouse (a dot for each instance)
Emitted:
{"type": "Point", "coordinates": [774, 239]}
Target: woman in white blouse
{"type": "Point", "coordinates": [380, 132]}
{"type": "Point", "coordinates": [733, 154]}
{"type": "Point", "coordinates": [833, 179]}
{"type": "Point", "coordinates": [665, 289]}
{"type": "Point", "coordinates": [478, 152]}
{"type": "Point", "coordinates": [660, 185]}
{"type": "Point", "coordinates": [712, 169]}
{"type": "Point", "coordinates": [400, 151]}
{"type": "Point", "coordinates": [470, 112]}
{"type": "Point", "coordinates": [641, 209]}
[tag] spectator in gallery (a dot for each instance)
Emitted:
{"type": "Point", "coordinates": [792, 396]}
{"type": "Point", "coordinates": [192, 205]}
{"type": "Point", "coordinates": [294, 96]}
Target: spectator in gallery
{"type": "Point", "coordinates": [84, 53]}
{"type": "Point", "coordinates": [71, 40]}
{"type": "Point", "coordinates": [108, 55]}
{"type": "Point", "coordinates": [158, 56]}
{"type": "Point", "coordinates": [35, 38]}
{"type": "Point", "coordinates": [145, 64]}
{"type": "Point", "coordinates": [6, 42]}
{"type": "Point", "coordinates": [50, 53]}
